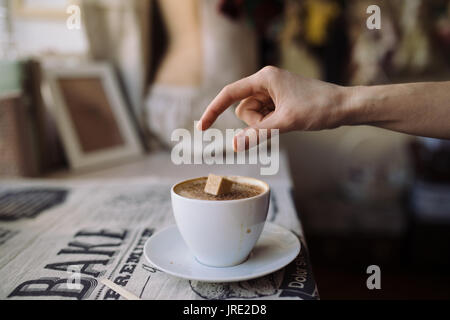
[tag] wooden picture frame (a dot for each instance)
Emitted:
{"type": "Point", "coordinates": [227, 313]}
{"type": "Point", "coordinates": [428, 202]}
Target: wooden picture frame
{"type": "Point", "coordinates": [91, 115]}
{"type": "Point", "coordinates": [17, 153]}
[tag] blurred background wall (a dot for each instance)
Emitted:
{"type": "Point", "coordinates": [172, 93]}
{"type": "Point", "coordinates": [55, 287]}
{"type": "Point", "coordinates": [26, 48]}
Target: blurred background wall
{"type": "Point", "coordinates": [30, 39]}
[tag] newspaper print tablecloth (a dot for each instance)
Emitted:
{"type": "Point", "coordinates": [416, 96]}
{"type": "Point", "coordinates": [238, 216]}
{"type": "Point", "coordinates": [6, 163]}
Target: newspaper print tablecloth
{"type": "Point", "coordinates": [49, 230]}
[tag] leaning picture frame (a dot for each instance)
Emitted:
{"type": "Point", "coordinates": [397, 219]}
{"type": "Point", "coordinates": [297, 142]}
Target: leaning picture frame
{"type": "Point", "coordinates": [95, 125]}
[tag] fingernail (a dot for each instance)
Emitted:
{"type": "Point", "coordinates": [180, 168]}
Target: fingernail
{"type": "Point", "coordinates": [199, 125]}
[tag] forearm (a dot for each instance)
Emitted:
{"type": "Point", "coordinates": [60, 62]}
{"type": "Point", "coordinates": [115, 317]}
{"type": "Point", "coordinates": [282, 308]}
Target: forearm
{"type": "Point", "coordinates": [415, 108]}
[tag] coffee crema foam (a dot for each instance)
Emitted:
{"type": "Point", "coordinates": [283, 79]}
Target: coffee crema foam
{"type": "Point", "coordinates": [194, 189]}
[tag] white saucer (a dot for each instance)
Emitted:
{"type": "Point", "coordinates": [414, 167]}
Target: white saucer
{"type": "Point", "coordinates": [276, 248]}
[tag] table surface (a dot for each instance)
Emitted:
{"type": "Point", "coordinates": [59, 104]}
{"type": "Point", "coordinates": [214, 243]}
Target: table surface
{"type": "Point", "coordinates": [159, 164]}
{"type": "Point", "coordinates": [133, 197]}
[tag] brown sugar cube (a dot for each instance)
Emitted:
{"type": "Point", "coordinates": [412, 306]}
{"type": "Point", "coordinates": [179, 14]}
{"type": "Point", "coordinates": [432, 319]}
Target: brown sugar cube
{"type": "Point", "coordinates": [217, 185]}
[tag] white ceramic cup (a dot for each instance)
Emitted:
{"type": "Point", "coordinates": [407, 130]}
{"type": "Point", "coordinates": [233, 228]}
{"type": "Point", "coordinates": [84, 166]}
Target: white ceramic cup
{"type": "Point", "coordinates": [221, 233]}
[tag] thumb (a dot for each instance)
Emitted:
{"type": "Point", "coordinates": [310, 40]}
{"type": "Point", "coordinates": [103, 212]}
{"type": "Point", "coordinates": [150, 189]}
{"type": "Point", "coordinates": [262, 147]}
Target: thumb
{"type": "Point", "coordinates": [251, 137]}
{"type": "Point", "coordinates": [257, 133]}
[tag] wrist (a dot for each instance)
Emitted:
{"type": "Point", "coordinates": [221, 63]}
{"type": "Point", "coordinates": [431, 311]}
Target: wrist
{"type": "Point", "coordinates": [352, 107]}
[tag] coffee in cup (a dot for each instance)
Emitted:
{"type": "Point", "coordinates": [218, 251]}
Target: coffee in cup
{"type": "Point", "coordinates": [221, 232]}
{"type": "Point", "coordinates": [194, 189]}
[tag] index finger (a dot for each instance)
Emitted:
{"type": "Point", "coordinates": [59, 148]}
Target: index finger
{"type": "Point", "coordinates": [230, 94]}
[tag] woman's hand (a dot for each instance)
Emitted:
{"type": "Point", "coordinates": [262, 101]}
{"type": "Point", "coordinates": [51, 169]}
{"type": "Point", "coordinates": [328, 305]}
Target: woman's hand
{"type": "Point", "coordinates": [277, 99]}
